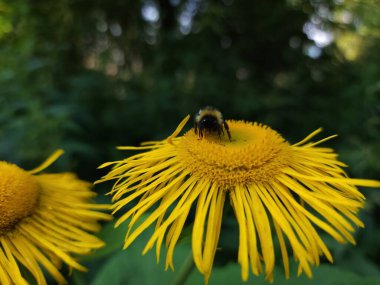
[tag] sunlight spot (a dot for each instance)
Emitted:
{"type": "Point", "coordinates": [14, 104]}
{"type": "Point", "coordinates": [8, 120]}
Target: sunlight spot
{"type": "Point", "coordinates": [116, 30]}
{"type": "Point", "coordinates": [101, 26]}
{"type": "Point", "coordinates": [150, 12]}
{"type": "Point", "coordinates": [321, 37]}
{"type": "Point", "coordinates": [174, 2]}
{"type": "Point", "coordinates": [344, 17]}
{"type": "Point", "coordinates": [312, 51]}
{"type": "Point", "coordinates": [185, 18]}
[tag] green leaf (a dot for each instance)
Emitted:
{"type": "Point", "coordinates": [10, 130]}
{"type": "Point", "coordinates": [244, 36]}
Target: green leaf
{"type": "Point", "coordinates": [358, 263]}
{"type": "Point", "coordinates": [324, 274]}
{"type": "Point", "coordinates": [130, 267]}
{"type": "Point", "coordinates": [113, 238]}
{"type": "Point", "coordinates": [78, 278]}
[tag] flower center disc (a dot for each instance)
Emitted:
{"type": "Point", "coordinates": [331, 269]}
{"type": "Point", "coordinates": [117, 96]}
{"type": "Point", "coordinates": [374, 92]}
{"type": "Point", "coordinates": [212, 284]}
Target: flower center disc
{"type": "Point", "coordinates": [19, 193]}
{"type": "Point", "coordinates": [255, 154]}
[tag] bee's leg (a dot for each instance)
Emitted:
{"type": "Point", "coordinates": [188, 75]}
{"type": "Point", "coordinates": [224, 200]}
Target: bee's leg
{"type": "Point", "coordinates": [220, 132]}
{"type": "Point", "coordinates": [227, 129]}
{"type": "Point", "coordinates": [196, 128]}
{"type": "Point", "coordinates": [200, 133]}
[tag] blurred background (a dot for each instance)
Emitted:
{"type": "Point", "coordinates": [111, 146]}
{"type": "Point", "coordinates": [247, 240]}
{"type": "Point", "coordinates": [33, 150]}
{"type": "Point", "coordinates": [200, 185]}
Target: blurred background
{"type": "Point", "coordinates": [87, 76]}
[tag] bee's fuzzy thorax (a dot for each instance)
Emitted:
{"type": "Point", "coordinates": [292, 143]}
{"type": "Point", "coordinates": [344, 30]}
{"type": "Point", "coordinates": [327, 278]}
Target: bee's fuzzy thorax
{"type": "Point", "coordinates": [209, 111]}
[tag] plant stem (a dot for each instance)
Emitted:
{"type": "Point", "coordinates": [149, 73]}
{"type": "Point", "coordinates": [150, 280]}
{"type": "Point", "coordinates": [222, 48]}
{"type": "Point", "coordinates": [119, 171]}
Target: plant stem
{"type": "Point", "coordinates": [185, 271]}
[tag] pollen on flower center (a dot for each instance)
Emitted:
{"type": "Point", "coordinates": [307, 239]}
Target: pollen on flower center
{"type": "Point", "coordinates": [19, 193]}
{"type": "Point", "coordinates": [256, 153]}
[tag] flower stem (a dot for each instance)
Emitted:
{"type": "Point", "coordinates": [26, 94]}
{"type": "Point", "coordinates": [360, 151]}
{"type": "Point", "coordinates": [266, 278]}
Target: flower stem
{"type": "Point", "coordinates": [185, 271]}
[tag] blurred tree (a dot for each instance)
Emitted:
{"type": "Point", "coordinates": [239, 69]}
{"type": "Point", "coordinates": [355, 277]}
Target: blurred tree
{"type": "Point", "coordinates": [89, 75]}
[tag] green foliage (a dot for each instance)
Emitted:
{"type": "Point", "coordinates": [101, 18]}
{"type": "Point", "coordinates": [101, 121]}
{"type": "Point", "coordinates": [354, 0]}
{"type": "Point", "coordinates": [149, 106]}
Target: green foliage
{"type": "Point", "coordinates": [114, 266]}
{"type": "Point", "coordinates": [87, 76]}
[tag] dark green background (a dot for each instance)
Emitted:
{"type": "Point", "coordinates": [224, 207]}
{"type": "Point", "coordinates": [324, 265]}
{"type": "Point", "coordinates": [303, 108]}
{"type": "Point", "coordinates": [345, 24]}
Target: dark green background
{"type": "Point", "coordinates": [87, 76]}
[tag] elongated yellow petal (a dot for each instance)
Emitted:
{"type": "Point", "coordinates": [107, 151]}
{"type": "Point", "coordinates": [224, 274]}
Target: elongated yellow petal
{"type": "Point", "coordinates": [264, 232]}
{"type": "Point", "coordinates": [41, 258]}
{"type": "Point", "coordinates": [28, 260]}
{"type": "Point", "coordinates": [284, 252]}
{"type": "Point", "coordinates": [13, 269]}
{"type": "Point", "coordinates": [177, 228]}
{"type": "Point", "coordinates": [237, 204]}
{"type": "Point", "coordinates": [186, 201]}
{"type": "Point", "coordinates": [178, 129]}
{"type": "Point", "coordinates": [50, 160]}
{"type": "Point", "coordinates": [214, 222]}
{"type": "Point", "coordinates": [313, 134]}
{"type": "Point", "coordinates": [204, 201]}
{"type": "Point", "coordinates": [254, 257]}
{"type": "Point", "coordinates": [341, 180]}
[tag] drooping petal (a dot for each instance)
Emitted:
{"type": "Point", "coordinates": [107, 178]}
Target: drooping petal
{"type": "Point", "coordinates": [275, 189]}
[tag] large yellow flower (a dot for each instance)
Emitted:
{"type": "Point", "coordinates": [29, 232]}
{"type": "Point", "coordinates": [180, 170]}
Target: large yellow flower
{"type": "Point", "coordinates": [275, 189]}
{"type": "Point", "coordinates": [44, 218]}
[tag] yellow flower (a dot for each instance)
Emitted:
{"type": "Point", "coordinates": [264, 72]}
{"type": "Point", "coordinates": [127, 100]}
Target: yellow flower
{"type": "Point", "coordinates": [43, 219]}
{"type": "Point", "coordinates": [294, 188]}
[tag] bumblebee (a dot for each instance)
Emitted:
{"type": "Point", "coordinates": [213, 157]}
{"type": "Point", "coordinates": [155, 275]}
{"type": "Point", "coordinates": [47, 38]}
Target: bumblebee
{"type": "Point", "coordinates": [210, 119]}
